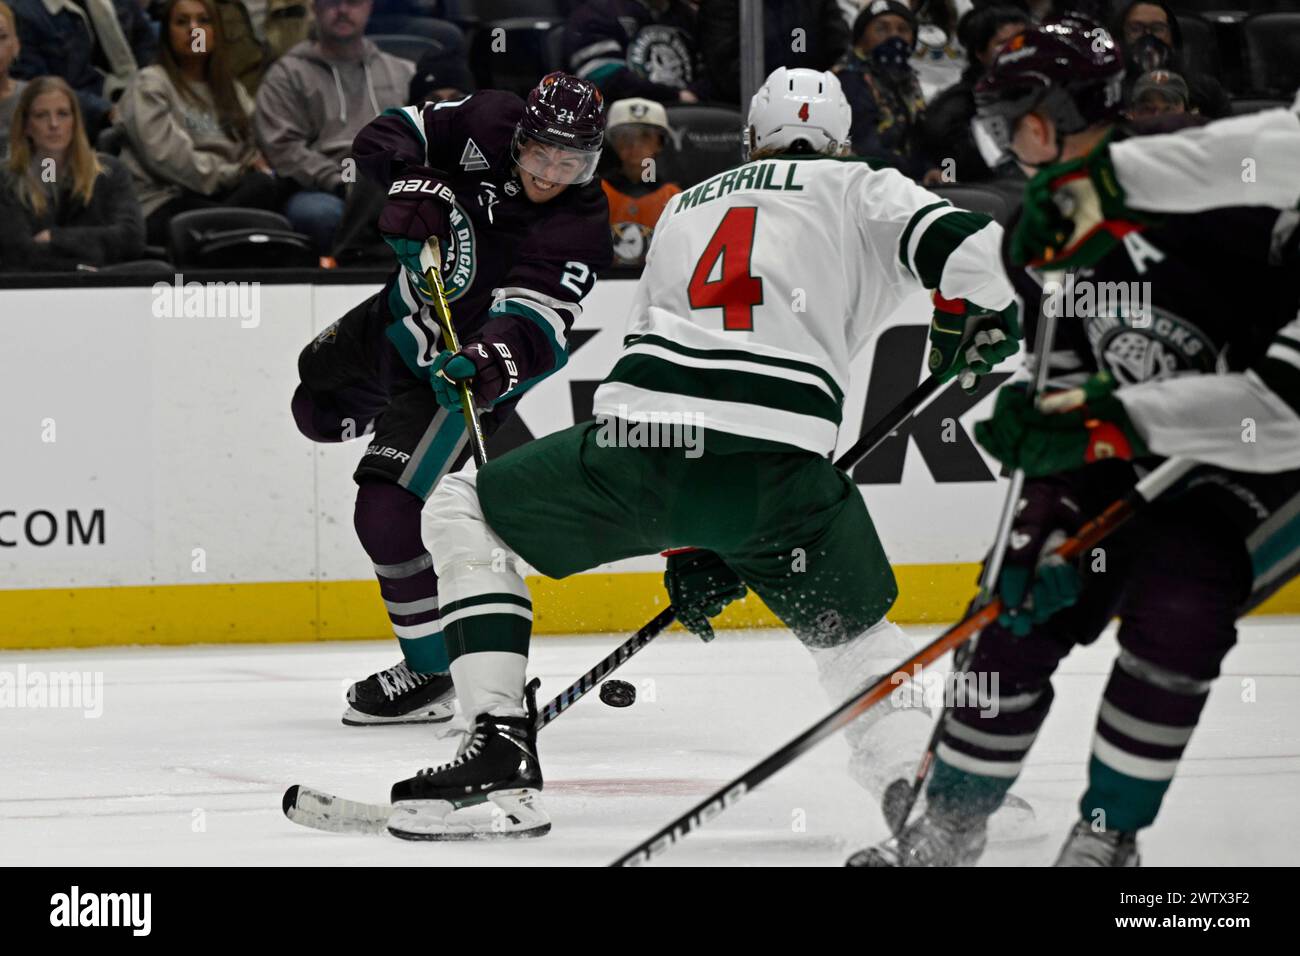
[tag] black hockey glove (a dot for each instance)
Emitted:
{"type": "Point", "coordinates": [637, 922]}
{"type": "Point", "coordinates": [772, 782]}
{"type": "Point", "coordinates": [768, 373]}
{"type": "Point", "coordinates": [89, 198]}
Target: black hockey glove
{"type": "Point", "coordinates": [489, 366]}
{"type": "Point", "coordinates": [700, 585]}
{"type": "Point", "coordinates": [418, 209]}
{"type": "Point", "coordinates": [1034, 584]}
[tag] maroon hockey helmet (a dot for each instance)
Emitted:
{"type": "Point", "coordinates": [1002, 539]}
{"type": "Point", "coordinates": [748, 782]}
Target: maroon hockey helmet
{"type": "Point", "coordinates": [1068, 69]}
{"type": "Point", "coordinates": [561, 132]}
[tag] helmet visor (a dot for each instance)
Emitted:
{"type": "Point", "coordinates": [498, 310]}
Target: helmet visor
{"type": "Point", "coordinates": [992, 134]}
{"type": "Point", "coordinates": [555, 164]}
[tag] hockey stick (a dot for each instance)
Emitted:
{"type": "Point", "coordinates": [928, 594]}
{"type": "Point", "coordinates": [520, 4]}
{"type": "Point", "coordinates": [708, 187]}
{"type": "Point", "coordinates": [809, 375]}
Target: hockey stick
{"type": "Point", "coordinates": [1116, 514]}
{"type": "Point", "coordinates": [323, 811]}
{"type": "Point", "coordinates": [900, 797]}
{"type": "Point", "coordinates": [431, 259]}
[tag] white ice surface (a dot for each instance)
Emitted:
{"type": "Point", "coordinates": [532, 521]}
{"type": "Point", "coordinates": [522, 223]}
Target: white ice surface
{"type": "Point", "coordinates": [195, 746]}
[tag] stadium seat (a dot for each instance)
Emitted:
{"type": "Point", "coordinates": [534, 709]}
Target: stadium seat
{"type": "Point", "coordinates": [441, 32]}
{"type": "Point", "coordinates": [1200, 45]}
{"type": "Point", "coordinates": [977, 199]}
{"type": "Point", "coordinates": [404, 45]}
{"type": "Point", "coordinates": [704, 140]}
{"type": "Point", "coordinates": [232, 237]}
{"type": "Point", "coordinates": [478, 12]}
{"type": "Point", "coordinates": [555, 50]}
{"type": "Point", "coordinates": [1244, 105]}
{"type": "Point", "coordinates": [1273, 53]}
{"type": "Point", "coordinates": [523, 60]}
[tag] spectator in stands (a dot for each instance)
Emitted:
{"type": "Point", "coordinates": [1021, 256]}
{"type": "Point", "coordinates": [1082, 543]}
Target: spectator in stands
{"type": "Point", "coordinates": [637, 131]}
{"type": "Point", "coordinates": [883, 89]}
{"type": "Point", "coordinates": [938, 58]}
{"type": "Point", "coordinates": [61, 204]}
{"type": "Point", "coordinates": [138, 29]}
{"type": "Point", "coordinates": [284, 24]}
{"type": "Point", "coordinates": [440, 75]}
{"type": "Point", "coordinates": [824, 40]}
{"type": "Point", "coordinates": [633, 48]}
{"type": "Point", "coordinates": [81, 41]}
{"type": "Point", "coordinates": [188, 126]}
{"type": "Point", "coordinates": [1157, 93]}
{"type": "Point", "coordinates": [314, 101]}
{"type": "Point", "coordinates": [246, 56]}
{"type": "Point", "coordinates": [1149, 35]}
{"type": "Point", "coordinates": [10, 88]}
{"type": "Point", "coordinates": [946, 131]}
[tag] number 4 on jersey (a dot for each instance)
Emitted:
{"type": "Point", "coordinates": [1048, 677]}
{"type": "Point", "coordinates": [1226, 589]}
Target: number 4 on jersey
{"type": "Point", "coordinates": [734, 291]}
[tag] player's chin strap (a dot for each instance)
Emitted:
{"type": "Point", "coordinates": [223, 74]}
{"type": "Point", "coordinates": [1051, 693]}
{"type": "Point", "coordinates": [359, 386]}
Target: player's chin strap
{"type": "Point", "coordinates": [431, 262]}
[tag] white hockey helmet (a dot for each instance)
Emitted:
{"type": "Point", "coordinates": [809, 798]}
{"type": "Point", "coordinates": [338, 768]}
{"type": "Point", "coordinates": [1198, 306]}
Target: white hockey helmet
{"type": "Point", "coordinates": [799, 104]}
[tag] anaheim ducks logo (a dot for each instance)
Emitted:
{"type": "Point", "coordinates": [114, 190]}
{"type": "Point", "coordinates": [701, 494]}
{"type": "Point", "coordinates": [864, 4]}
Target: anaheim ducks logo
{"type": "Point", "coordinates": [631, 240]}
{"type": "Point", "coordinates": [1157, 346]}
{"type": "Point", "coordinates": [661, 54]}
{"type": "Point", "coordinates": [460, 257]}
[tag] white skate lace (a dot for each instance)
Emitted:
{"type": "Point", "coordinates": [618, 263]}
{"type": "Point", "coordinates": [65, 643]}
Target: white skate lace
{"type": "Point", "coordinates": [397, 679]}
{"type": "Point", "coordinates": [470, 748]}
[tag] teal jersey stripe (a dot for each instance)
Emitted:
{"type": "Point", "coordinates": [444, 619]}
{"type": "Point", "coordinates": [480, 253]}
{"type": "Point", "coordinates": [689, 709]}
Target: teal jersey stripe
{"type": "Point", "coordinates": [601, 73]}
{"type": "Point", "coordinates": [398, 111]}
{"type": "Point", "coordinates": [435, 458]}
{"type": "Point", "coordinates": [725, 385]}
{"type": "Point", "coordinates": [521, 309]}
{"type": "Point", "coordinates": [738, 355]}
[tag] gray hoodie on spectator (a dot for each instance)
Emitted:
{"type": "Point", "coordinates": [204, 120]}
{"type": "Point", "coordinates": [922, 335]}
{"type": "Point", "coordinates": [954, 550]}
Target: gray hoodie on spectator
{"type": "Point", "coordinates": [311, 107]}
{"type": "Point", "coordinates": [173, 144]}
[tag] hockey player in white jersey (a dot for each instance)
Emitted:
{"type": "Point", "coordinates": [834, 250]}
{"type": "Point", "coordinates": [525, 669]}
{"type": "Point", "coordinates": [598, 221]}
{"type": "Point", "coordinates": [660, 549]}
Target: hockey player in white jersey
{"type": "Point", "coordinates": [716, 341]}
{"type": "Point", "coordinates": [1075, 212]}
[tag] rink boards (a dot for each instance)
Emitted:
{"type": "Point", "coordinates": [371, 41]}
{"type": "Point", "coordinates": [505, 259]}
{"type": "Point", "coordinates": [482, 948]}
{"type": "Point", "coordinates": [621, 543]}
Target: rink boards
{"type": "Point", "coordinates": [155, 489]}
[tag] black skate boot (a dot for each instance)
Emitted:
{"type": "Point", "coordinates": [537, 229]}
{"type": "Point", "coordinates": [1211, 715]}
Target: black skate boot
{"type": "Point", "coordinates": [1088, 847]}
{"type": "Point", "coordinates": [930, 840]}
{"type": "Point", "coordinates": [399, 695]}
{"type": "Point", "coordinates": [496, 770]}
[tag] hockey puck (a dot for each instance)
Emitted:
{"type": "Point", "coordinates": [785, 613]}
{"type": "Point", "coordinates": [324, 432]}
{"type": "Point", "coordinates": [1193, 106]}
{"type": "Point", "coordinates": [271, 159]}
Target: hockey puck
{"type": "Point", "coordinates": [618, 693]}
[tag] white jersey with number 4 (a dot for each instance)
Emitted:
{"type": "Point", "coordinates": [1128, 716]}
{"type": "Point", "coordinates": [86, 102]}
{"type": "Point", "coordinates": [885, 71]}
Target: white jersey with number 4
{"type": "Point", "coordinates": [763, 282]}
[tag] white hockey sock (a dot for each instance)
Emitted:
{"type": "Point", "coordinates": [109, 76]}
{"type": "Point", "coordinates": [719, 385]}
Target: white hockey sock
{"type": "Point", "coordinates": [889, 739]}
{"type": "Point", "coordinates": [486, 613]}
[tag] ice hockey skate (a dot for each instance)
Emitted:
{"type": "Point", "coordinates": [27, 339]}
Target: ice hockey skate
{"type": "Point", "coordinates": [399, 695]}
{"type": "Point", "coordinates": [933, 839]}
{"type": "Point", "coordinates": [489, 791]}
{"type": "Point", "coordinates": [1088, 847]}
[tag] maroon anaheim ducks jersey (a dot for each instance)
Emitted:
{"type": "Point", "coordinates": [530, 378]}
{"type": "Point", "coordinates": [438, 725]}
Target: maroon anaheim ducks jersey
{"type": "Point", "coordinates": [516, 271]}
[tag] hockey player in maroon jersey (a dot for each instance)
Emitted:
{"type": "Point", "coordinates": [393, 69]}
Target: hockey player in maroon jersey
{"type": "Point", "coordinates": [507, 187]}
{"type": "Point", "coordinates": [1201, 361]}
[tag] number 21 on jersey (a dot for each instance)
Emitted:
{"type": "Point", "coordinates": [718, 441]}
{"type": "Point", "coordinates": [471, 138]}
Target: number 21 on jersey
{"type": "Point", "coordinates": [721, 279]}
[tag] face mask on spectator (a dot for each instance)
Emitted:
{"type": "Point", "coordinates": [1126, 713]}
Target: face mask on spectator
{"type": "Point", "coordinates": [892, 54]}
{"type": "Point", "coordinates": [1149, 53]}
